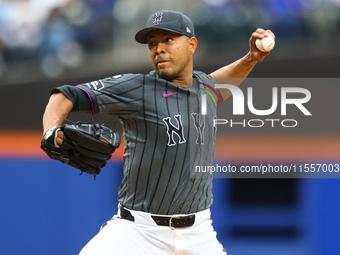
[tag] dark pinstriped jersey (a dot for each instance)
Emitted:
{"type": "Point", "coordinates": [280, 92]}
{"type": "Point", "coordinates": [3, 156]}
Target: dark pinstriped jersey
{"type": "Point", "coordinates": [165, 137]}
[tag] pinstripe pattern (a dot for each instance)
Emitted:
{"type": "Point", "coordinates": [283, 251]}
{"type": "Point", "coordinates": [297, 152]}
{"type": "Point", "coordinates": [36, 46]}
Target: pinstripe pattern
{"type": "Point", "coordinates": [157, 159]}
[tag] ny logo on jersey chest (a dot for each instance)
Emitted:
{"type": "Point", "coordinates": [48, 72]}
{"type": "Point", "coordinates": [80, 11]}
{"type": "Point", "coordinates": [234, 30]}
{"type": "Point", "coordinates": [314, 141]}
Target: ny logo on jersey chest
{"type": "Point", "coordinates": [174, 130]}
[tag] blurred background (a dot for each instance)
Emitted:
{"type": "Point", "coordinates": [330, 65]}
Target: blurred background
{"type": "Point", "coordinates": [46, 208]}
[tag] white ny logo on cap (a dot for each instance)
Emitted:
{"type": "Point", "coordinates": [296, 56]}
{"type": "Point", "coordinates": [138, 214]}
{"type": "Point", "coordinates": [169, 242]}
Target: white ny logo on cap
{"type": "Point", "coordinates": [157, 18]}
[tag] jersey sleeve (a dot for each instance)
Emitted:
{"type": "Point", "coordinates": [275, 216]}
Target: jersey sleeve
{"type": "Point", "coordinates": [119, 95]}
{"type": "Point", "coordinates": [80, 100]}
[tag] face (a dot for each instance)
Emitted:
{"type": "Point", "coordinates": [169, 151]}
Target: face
{"type": "Point", "coordinates": [171, 54]}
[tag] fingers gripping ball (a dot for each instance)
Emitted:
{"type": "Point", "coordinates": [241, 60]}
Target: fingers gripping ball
{"type": "Point", "coordinates": [266, 44]}
{"type": "Point", "coordinates": [86, 147]}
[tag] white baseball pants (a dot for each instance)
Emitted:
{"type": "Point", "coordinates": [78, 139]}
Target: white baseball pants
{"type": "Point", "coordinates": [145, 237]}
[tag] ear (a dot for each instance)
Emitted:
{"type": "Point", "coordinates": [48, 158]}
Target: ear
{"type": "Point", "coordinates": [192, 45]}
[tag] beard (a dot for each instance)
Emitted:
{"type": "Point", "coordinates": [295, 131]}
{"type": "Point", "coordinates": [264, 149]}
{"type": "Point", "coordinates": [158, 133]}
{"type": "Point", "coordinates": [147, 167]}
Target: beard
{"type": "Point", "coordinates": [166, 75]}
{"type": "Point", "coordinates": [170, 72]}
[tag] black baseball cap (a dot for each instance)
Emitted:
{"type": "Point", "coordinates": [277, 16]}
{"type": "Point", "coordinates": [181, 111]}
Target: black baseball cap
{"type": "Point", "coordinates": [166, 20]}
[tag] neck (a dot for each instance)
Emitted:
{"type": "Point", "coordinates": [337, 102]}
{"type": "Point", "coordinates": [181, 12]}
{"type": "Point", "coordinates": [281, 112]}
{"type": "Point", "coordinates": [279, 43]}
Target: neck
{"type": "Point", "coordinates": [184, 80]}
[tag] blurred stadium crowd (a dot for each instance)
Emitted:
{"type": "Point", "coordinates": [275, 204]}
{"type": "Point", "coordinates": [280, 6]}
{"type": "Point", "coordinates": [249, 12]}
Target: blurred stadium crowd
{"type": "Point", "coordinates": [287, 18]}
{"type": "Point", "coordinates": [57, 34]}
{"type": "Point", "coordinates": [52, 33]}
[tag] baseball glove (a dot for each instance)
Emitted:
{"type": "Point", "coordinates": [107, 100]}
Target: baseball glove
{"type": "Point", "coordinates": [86, 146]}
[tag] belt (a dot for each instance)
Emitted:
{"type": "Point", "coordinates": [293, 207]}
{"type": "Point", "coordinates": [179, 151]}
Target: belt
{"type": "Point", "coordinates": [172, 222]}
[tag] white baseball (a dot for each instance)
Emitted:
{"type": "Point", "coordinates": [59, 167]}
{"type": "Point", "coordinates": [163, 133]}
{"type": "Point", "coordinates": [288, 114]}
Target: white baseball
{"type": "Point", "coordinates": [266, 44]}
